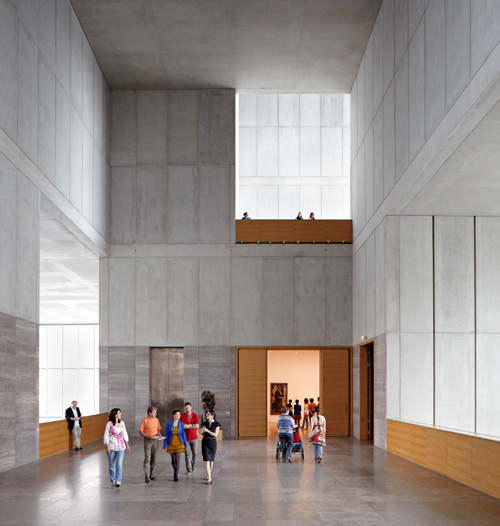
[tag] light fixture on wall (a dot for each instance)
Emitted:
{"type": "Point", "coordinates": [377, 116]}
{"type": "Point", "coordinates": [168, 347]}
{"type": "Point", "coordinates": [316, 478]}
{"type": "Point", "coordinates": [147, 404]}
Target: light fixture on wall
{"type": "Point", "coordinates": [363, 338]}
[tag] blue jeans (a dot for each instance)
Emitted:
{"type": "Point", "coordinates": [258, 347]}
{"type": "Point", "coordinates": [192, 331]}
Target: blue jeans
{"type": "Point", "coordinates": [318, 451]}
{"type": "Point", "coordinates": [286, 442]}
{"type": "Point", "coordinates": [115, 459]}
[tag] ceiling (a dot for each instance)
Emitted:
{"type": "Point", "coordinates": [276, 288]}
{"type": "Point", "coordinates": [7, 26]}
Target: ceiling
{"type": "Point", "coordinates": [282, 45]}
{"type": "Point", "coordinates": [69, 276]}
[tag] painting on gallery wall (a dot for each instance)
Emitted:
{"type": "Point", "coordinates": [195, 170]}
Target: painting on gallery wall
{"type": "Point", "coordinates": [279, 393]}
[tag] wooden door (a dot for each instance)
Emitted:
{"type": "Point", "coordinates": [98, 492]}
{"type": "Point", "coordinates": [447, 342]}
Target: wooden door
{"type": "Point", "coordinates": [252, 392]}
{"type": "Point", "coordinates": [335, 375]}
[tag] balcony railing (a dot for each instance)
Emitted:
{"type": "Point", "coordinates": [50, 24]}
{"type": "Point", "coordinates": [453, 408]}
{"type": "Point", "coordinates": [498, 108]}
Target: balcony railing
{"type": "Point", "coordinates": [293, 231]}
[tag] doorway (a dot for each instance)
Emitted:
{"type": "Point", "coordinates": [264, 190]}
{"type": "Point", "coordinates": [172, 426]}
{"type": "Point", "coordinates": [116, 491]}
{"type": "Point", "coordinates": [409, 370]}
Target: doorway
{"type": "Point", "coordinates": [253, 389]}
{"type": "Point", "coordinates": [297, 371]}
{"type": "Point", "coordinates": [366, 392]}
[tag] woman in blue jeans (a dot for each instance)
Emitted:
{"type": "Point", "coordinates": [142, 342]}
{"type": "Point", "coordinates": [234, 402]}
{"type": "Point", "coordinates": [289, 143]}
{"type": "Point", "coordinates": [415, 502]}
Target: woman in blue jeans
{"type": "Point", "coordinates": [116, 440]}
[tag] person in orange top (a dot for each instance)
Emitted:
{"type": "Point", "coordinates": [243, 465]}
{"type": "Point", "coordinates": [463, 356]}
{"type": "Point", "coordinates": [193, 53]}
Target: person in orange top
{"type": "Point", "coordinates": [312, 407]}
{"type": "Point", "coordinates": [150, 429]}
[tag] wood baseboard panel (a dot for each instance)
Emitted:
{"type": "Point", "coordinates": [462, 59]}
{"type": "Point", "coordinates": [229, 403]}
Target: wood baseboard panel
{"type": "Point", "coordinates": [470, 460]}
{"type": "Point", "coordinates": [55, 437]}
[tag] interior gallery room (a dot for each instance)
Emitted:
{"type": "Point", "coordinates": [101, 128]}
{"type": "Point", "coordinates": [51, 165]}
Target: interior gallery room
{"type": "Point", "coordinates": [244, 204]}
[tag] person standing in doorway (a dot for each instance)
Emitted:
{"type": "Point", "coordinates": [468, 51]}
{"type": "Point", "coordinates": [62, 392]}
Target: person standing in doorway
{"type": "Point", "coordinates": [175, 442]}
{"type": "Point", "coordinates": [312, 407]}
{"type": "Point", "coordinates": [150, 429]}
{"type": "Point", "coordinates": [318, 434]}
{"type": "Point", "coordinates": [297, 413]}
{"type": "Point", "coordinates": [305, 420]}
{"type": "Point", "coordinates": [74, 418]}
{"type": "Point", "coordinates": [191, 425]}
{"type": "Point", "coordinates": [285, 434]}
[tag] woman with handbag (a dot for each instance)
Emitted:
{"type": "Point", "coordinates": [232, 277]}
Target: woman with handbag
{"type": "Point", "coordinates": [318, 434]}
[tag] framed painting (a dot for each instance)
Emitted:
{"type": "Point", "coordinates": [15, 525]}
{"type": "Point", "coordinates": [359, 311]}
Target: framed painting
{"type": "Point", "coordinates": [279, 394]}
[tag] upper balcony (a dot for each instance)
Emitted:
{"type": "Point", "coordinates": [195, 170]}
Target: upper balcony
{"type": "Point", "coordinates": [293, 231]}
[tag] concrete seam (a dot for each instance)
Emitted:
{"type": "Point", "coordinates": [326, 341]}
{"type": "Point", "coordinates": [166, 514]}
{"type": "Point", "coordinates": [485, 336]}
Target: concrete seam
{"type": "Point", "coordinates": [433, 326]}
{"type": "Point", "coordinates": [475, 330]}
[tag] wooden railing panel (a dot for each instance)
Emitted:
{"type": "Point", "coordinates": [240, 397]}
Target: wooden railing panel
{"type": "Point", "coordinates": [470, 460]}
{"type": "Point", "coordinates": [56, 438]}
{"type": "Point", "coordinates": [291, 231]}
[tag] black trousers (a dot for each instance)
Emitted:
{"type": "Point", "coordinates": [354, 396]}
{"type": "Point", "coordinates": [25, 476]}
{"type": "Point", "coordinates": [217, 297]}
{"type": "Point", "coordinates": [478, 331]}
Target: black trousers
{"type": "Point", "coordinates": [176, 463]}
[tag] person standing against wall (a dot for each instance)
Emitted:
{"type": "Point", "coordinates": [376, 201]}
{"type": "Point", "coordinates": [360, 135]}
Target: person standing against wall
{"type": "Point", "coordinates": [74, 418]}
{"type": "Point", "coordinates": [297, 413]}
{"type": "Point", "coordinates": [305, 420]}
{"type": "Point", "coordinates": [150, 429]}
{"type": "Point", "coordinates": [191, 425]}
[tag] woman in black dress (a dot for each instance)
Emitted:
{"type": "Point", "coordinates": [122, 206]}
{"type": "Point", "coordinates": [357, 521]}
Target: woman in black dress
{"type": "Point", "coordinates": [209, 430]}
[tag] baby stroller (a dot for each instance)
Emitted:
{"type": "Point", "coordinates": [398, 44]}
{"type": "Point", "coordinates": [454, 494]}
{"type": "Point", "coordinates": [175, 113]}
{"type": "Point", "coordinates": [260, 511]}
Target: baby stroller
{"type": "Point", "coordinates": [297, 447]}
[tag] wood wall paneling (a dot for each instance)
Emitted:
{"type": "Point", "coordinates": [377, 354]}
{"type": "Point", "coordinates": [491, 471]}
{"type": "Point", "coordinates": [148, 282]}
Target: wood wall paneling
{"type": "Point", "coordinates": [252, 392]}
{"type": "Point", "coordinates": [56, 438]}
{"type": "Point", "coordinates": [471, 460]}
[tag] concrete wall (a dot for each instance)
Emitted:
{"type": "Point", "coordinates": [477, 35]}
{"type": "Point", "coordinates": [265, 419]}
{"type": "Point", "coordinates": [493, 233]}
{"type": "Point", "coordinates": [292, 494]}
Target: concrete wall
{"type": "Point", "coordinates": [428, 67]}
{"type": "Point", "coordinates": [172, 158]}
{"type": "Point", "coordinates": [294, 154]}
{"type": "Point", "coordinates": [441, 360]}
{"type": "Point", "coordinates": [53, 149]}
{"type": "Point", "coordinates": [173, 278]}
{"type": "Point", "coordinates": [229, 295]}
{"type": "Point", "coordinates": [416, 73]}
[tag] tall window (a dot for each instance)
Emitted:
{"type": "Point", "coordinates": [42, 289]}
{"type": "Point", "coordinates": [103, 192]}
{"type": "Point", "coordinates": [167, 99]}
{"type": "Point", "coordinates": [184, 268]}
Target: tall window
{"type": "Point", "coordinates": [69, 369]}
{"type": "Point", "coordinates": [293, 155]}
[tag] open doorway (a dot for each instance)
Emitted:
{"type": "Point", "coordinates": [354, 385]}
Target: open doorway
{"type": "Point", "coordinates": [298, 371]}
{"type": "Point", "coordinates": [253, 389]}
{"type": "Point", "coordinates": [366, 392]}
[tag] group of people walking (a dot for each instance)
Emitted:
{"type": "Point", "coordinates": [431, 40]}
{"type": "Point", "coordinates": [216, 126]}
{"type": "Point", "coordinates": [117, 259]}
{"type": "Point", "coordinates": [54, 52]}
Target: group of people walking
{"type": "Point", "coordinates": [181, 436]}
{"type": "Point", "coordinates": [289, 421]}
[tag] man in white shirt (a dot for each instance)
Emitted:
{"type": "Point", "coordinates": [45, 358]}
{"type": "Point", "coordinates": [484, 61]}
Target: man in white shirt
{"type": "Point", "coordinates": [73, 416]}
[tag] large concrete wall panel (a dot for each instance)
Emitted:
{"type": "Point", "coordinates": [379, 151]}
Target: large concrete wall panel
{"type": "Point", "coordinates": [416, 57]}
{"type": "Point", "coordinates": [182, 301]}
{"type": "Point", "coordinates": [487, 392]}
{"type": "Point", "coordinates": [416, 285]}
{"type": "Point", "coordinates": [310, 301]}
{"type": "Point", "coordinates": [182, 204]}
{"type": "Point", "coordinates": [485, 31]}
{"type": "Point", "coordinates": [288, 110]}
{"type": "Point", "coordinates": [152, 128]}
{"type": "Point", "coordinates": [216, 215]}
{"type": "Point", "coordinates": [8, 69]}
{"type": "Point", "coordinates": [393, 377]}
{"type": "Point", "coordinates": [278, 307]}
{"type": "Point", "coordinates": [27, 95]}
{"type": "Point", "coordinates": [123, 128]}
{"type": "Point", "coordinates": [487, 275]}
{"type": "Point", "coordinates": [122, 301]}
{"type": "Point", "coordinates": [123, 204]}
{"type": "Point", "coordinates": [151, 301]}
{"type": "Point", "coordinates": [455, 382]}
{"type": "Point", "coordinates": [47, 121]}
{"type": "Point", "coordinates": [151, 204]}
{"type": "Point", "coordinates": [454, 274]}
{"type": "Point", "coordinates": [246, 301]}
{"type": "Point", "coordinates": [214, 300]}
{"type": "Point", "coordinates": [338, 285]}
{"type": "Point", "coordinates": [457, 48]}
{"type": "Point", "coordinates": [435, 54]}
{"type": "Point", "coordinates": [8, 235]}
{"type": "Point", "coordinates": [401, 113]}
{"type": "Point", "coordinates": [183, 124]}
{"type": "Point", "coordinates": [417, 378]}
{"type": "Point", "coordinates": [267, 152]}
{"type": "Point", "coordinates": [289, 148]}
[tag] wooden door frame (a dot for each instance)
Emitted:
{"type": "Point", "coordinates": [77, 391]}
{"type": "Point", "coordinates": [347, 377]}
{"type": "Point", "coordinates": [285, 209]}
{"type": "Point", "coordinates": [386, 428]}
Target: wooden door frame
{"type": "Point", "coordinates": [293, 348]}
{"type": "Point", "coordinates": [363, 411]}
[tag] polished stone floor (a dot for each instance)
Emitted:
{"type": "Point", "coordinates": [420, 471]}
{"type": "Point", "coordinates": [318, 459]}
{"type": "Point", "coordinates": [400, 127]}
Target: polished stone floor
{"type": "Point", "coordinates": [355, 484]}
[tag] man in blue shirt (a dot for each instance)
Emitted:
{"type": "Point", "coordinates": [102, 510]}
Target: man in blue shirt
{"type": "Point", "coordinates": [246, 216]}
{"type": "Point", "coordinates": [285, 434]}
